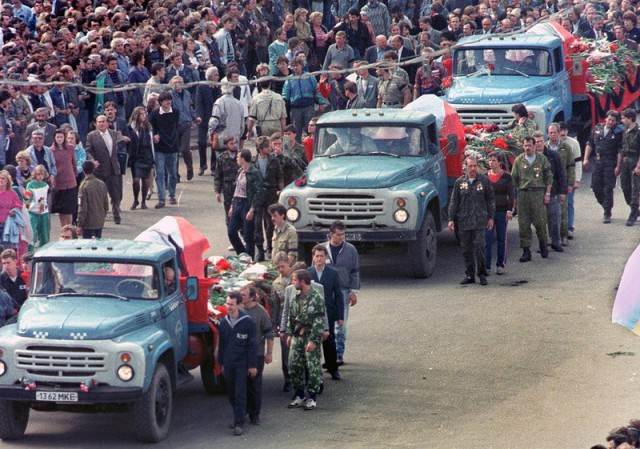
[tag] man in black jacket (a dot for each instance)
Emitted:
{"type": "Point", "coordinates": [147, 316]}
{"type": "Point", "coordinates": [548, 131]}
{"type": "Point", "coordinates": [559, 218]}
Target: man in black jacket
{"type": "Point", "coordinates": [205, 97]}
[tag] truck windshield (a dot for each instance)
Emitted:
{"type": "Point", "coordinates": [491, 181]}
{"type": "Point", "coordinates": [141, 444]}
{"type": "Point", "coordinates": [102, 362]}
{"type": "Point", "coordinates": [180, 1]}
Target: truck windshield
{"type": "Point", "coordinates": [502, 61]}
{"type": "Point", "coordinates": [367, 140]}
{"type": "Point", "coordinates": [128, 280]}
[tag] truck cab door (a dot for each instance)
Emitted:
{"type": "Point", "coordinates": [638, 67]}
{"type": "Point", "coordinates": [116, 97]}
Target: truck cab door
{"type": "Point", "coordinates": [174, 311]}
{"type": "Point", "coordinates": [437, 171]}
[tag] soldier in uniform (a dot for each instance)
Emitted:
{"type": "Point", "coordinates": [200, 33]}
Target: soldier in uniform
{"type": "Point", "coordinates": [304, 331]}
{"type": "Point", "coordinates": [393, 91]}
{"type": "Point", "coordinates": [522, 125]}
{"type": "Point", "coordinates": [532, 176]}
{"type": "Point", "coordinates": [225, 174]}
{"type": "Point", "coordinates": [606, 142]}
{"type": "Point", "coordinates": [472, 207]}
{"type": "Point", "coordinates": [630, 171]}
{"type": "Point", "coordinates": [270, 170]}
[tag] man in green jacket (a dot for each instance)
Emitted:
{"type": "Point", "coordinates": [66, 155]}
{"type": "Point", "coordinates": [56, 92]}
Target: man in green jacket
{"type": "Point", "coordinates": [93, 203]}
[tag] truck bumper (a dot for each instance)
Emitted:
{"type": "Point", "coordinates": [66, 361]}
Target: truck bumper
{"type": "Point", "coordinates": [360, 235]}
{"type": "Point", "coordinates": [96, 395]}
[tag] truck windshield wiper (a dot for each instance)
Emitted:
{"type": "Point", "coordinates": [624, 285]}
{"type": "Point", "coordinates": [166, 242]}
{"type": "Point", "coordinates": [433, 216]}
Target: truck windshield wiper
{"type": "Point", "coordinates": [482, 71]}
{"type": "Point", "coordinates": [92, 295]}
{"type": "Point", "coordinates": [517, 71]}
{"type": "Point", "coordinates": [348, 153]}
{"type": "Point", "coordinates": [383, 153]}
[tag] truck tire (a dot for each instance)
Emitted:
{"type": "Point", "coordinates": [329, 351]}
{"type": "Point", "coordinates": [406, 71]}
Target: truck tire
{"type": "Point", "coordinates": [212, 384]}
{"type": "Point", "coordinates": [422, 252]}
{"type": "Point", "coordinates": [153, 412]}
{"type": "Point", "coordinates": [14, 417]}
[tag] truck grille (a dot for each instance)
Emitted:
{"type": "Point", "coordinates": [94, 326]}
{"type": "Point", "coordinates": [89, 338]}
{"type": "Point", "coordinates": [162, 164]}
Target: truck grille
{"type": "Point", "coordinates": [351, 208]}
{"type": "Point", "coordinates": [500, 117]}
{"type": "Point", "coordinates": [60, 362]}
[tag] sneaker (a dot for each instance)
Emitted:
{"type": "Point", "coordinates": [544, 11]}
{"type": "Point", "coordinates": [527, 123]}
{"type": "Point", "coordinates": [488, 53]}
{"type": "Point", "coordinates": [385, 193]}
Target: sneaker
{"type": "Point", "coordinates": [500, 270]}
{"type": "Point", "coordinates": [570, 235]}
{"type": "Point", "coordinates": [297, 402]}
{"type": "Point", "coordinates": [238, 431]}
{"type": "Point", "coordinates": [310, 405]}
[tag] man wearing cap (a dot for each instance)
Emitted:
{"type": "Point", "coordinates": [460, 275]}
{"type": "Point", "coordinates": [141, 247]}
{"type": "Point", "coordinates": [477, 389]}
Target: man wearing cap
{"type": "Point", "coordinates": [43, 125]}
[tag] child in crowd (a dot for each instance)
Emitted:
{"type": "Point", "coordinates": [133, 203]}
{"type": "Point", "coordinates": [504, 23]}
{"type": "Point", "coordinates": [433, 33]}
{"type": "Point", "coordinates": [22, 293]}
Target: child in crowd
{"type": "Point", "coordinates": [36, 202]}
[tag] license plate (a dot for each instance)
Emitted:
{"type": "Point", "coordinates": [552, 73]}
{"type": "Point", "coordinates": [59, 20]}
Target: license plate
{"type": "Point", "coordinates": [353, 236]}
{"type": "Point", "coordinates": [56, 396]}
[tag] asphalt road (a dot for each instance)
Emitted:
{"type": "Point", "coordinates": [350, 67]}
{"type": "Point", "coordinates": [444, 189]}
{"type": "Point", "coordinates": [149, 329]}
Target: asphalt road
{"type": "Point", "coordinates": [520, 363]}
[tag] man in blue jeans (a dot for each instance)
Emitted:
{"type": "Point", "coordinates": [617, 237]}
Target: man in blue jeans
{"type": "Point", "coordinates": [164, 121]}
{"type": "Point", "coordinates": [343, 256]}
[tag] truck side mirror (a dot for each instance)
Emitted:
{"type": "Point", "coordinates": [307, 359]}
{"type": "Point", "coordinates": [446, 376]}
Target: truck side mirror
{"type": "Point", "coordinates": [452, 145]}
{"type": "Point", "coordinates": [192, 288]}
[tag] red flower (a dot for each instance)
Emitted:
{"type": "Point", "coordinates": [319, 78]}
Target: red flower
{"type": "Point", "coordinates": [469, 130]}
{"type": "Point", "coordinates": [491, 66]}
{"type": "Point", "coordinates": [301, 182]}
{"type": "Point", "coordinates": [613, 47]}
{"type": "Point", "coordinates": [500, 143]}
{"type": "Point", "coordinates": [447, 82]}
{"type": "Point", "coordinates": [223, 265]}
{"type": "Point", "coordinates": [491, 127]}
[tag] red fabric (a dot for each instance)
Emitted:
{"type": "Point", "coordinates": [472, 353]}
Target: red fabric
{"type": "Point", "coordinates": [197, 311]}
{"type": "Point", "coordinates": [195, 244]}
{"type": "Point", "coordinates": [308, 147]}
{"type": "Point", "coordinates": [453, 125]}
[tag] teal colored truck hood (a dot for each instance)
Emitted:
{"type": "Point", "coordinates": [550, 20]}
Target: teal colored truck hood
{"type": "Point", "coordinates": [496, 89]}
{"type": "Point", "coordinates": [83, 318]}
{"type": "Point", "coordinates": [363, 172]}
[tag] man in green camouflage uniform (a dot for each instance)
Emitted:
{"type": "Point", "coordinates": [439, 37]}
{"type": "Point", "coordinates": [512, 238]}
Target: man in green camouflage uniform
{"type": "Point", "coordinates": [532, 176]}
{"type": "Point", "coordinates": [521, 126]}
{"type": "Point", "coordinates": [630, 171]}
{"type": "Point", "coordinates": [225, 174]}
{"type": "Point", "coordinates": [305, 329]}
{"type": "Point", "coordinates": [568, 164]}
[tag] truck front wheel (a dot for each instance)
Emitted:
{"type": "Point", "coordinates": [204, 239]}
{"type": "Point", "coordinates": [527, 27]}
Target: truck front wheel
{"type": "Point", "coordinates": [422, 252]}
{"type": "Point", "coordinates": [14, 417]}
{"type": "Point", "coordinates": [153, 412]}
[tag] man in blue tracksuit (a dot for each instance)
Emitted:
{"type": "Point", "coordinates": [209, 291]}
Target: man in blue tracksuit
{"type": "Point", "coordinates": [237, 354]}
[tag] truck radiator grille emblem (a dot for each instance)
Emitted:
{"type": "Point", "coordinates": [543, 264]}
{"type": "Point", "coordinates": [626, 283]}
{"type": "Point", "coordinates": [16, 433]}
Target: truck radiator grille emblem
{"type": "Point", "coordinates": [54, 362]}
{"type": "Point", "coordinates": [346, 207]}
{"type": "Point", "coordinates": [498, 116]}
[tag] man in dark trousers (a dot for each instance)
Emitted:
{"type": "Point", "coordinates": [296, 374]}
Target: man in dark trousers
{"type": "Point", "coordinates": [471, 210]}
{"type": "Point", "coordinates": [329, 278]}
{"type": "Point", "coordinates": [164, 121]}
{"type": "Point", "coordinates": [237, 355]}
{"type": "Point", "coordinates": [102, 146]}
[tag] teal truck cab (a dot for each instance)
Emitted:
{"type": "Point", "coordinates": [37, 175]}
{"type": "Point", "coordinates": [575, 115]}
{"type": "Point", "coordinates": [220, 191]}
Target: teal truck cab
{"type": "Point", "coordinates": [382, 173]}
{"type": "Point", "coordinates": [106, 324]}
{"type": "Point", "coordinates": [491, 74]}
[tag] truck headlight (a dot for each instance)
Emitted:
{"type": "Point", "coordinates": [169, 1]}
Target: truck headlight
{"type": "Point", "coordinates": [293, 214]}
{"type": "Point", "coordinates": [3, 368]}
{"type": "Point", "coordinates": [125, 373]}
{"type": "Point", "coordinates": [401, 215]}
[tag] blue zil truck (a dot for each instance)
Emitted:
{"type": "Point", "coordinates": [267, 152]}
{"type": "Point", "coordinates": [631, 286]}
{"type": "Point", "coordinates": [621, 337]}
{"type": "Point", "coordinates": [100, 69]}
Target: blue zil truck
{"type": "Point", "coordinates": [383, 173]}
{"type": "Point", "coordinates": [491, 74]}
{"type": "Point", "coordinates": [109, 325]}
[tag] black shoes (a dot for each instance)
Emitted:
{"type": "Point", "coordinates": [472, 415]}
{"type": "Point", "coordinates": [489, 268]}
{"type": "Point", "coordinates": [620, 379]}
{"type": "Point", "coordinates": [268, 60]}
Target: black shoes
{"type": "Point", "coordinates": [526, 255]}
{"type": "Point", "coordinates": [544, 249]}
{"type": "Point", "coordinates": [335, 375]}
{"type": "Point", "coordinates": [116, 220]}
{"type": "Point", "coordinates": [189, 175]}
{"type": "Point", "coordinates": [201, 171]}
{"type": "Point", "coordinates": [606, 218]}
{"type": "Point", "coordinates": [287, 386]}
{"type": "Point", "coordinates": [557, 248]}
{"type": "Point", "coordinates": [172, 201]}
{"type": "Point", "coordinates": [483, 280]}
{"type": "Point", "coordinates": [160, 205]}
{"type": "Point", "coordinates": [468, 280]}
{"type": "Point", "coordinates": [260, 256]}
{"type": "Point", "coordinates": [633, 216]}
{"type": "Point", "coordinates": [134, 206]}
